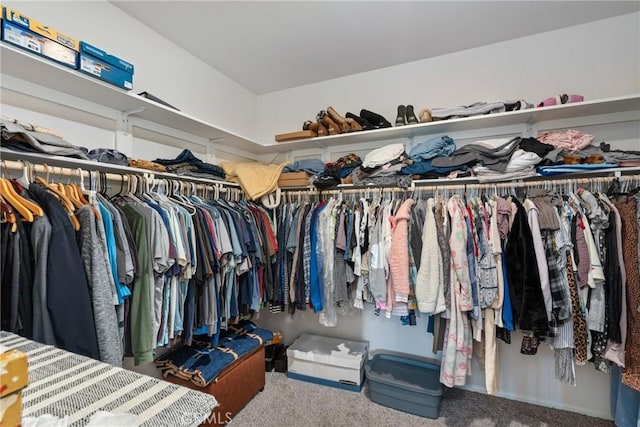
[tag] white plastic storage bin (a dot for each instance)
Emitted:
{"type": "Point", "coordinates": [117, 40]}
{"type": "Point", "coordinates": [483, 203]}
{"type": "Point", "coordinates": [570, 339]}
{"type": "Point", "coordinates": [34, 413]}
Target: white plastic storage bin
{"type": "Point", "coordinates": [329, 361]}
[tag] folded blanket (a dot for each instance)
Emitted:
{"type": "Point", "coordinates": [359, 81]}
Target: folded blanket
{"type": "Point", "coordinates": [256, 179]}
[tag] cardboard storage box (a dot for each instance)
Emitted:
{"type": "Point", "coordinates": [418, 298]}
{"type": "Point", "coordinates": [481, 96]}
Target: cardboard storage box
{"type": "Point", "coordinates": [293, 179]}
{"type": "Point", "coordinates": [111, 69]}
{"type": "Point", "coordinates": [329, 361]}
{"type": "Point", "coordinates": [14, 376]}
{"type": "Point", "coordinates": [31, 35]}
{"type": "Point", "coordinates": [405, 384]}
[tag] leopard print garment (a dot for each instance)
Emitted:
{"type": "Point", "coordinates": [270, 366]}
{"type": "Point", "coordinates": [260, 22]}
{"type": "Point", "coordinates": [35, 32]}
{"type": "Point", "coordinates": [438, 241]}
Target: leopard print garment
{"type": "Point", "coordinates": [580, 336]}
{"type": "Point", "coordinates": [627, 208]}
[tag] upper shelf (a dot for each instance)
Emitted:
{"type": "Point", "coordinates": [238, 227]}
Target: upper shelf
{"type": "Point", "coordinates": [37, 70]}
{"type": "Point", "coordinates": [531, 116]}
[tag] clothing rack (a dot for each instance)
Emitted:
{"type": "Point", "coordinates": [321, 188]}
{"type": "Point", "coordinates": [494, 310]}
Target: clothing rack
{"type": "Point", "coordinates": [124, 175]}
{"type": "Point", "coordinates": [434, 186]}
{"type": "Point", "coordinates": [88, 165]}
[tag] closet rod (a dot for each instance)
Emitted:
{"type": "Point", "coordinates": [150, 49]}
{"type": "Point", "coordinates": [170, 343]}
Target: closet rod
{"type": "Point", "coordinates": [89, 165]}
{"type": "Point", "coordinates": [552, 183]}
{"type": "Point", "coordinates": [60, 171]}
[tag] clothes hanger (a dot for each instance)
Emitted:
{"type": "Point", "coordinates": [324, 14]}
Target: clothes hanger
{"type": "Point", "coordinates": [80, 192]}
{"type": "Point", "coordinates": [71, 193]}
{"type": "Point", "coordinates": [8, 216]}
{"type": "Point", "coordinates": [25, 181]}
{"type": "Point", "coordinates": [14, 199]}
{"type": "Point", "coordinates": [9, 196]}
{"type": "Point", "coordinates": [64, 200]}
{"type": "Point", "coordinates": [66, 203]}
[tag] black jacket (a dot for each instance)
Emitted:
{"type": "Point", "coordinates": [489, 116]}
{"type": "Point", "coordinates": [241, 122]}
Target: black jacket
{"type": "Point", "coordinates": [527, 300]}
{"type": "Point", "coordinates": [68, 296]}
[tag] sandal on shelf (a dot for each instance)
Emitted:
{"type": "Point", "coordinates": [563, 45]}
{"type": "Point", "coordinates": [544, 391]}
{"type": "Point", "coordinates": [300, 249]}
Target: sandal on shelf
{"type": "Point", "coordinates": [561, 99]}
{"type": "Point", "coordinates": [339, 120]}
{"type": "Point", "coordinates": [331, 126]}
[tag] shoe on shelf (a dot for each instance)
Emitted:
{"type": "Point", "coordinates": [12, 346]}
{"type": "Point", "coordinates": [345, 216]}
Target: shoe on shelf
{"type": "Point", "coordinates": [561, 99]}
{"type": "Point", "coordinates": [332, 127]}
{"type": "Point", "coordinates": [362, 122]}
{"type": "Point", "coordinates": [425, 116]}
{"type": "Point", "coordinates": [353, 125]}
{"type": "Point", "coordinates": [375, 119]}
{"type": "Point", "coordinates": [410, 115]}
{"type": "Point", "coordinates": [322, 131]}
{"type": "Point", "coordinates": [401, 119]}
{"type": "Point", "coordinates": [340, 121]}
{"type": "Point", "coordinates": [307, 125]}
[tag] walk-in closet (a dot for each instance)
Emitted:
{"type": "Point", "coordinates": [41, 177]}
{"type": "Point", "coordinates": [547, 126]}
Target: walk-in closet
{"type": "Point", "coordinates": [320, 213]}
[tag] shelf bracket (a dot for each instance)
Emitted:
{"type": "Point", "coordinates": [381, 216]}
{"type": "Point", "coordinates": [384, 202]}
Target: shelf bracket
{"type": "Point", "coordinates": [528, 130]}
{"type": "Point", "coordinates": [124, 134]}
{"type": "Point", "coordinates": [410, 143]}
{"type": "Point", "coordinates": [210, 151]}
{"type": "Point", "coordinates": [290, 156]}
{"type": "Point", "coordinates": [325, 154]}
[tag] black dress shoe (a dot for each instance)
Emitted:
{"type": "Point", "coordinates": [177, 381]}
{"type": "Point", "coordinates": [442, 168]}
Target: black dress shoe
{"type": "Point", "coordinates": [411, 117]}
{"type": "Point", "coordinates": [375, 119]}
{"type": "Point", "coordinates": [362, 122]}
{"type": "Point", "coordinates": [400, 118]}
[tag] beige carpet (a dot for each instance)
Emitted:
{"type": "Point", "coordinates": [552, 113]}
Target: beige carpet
{"type": "Point", "coordinates": [288, 402]}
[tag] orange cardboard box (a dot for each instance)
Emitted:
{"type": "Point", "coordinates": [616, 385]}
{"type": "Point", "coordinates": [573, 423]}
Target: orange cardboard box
{"type": "Point", "coordinates": [14, 371]}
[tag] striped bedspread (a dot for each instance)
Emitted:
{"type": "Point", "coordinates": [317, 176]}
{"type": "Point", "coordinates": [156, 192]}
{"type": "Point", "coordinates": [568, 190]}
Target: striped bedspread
{"type": "Point", "coordinates": [66, 384]}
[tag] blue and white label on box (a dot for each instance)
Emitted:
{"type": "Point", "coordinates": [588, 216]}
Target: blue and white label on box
{"type": "Point", "coordinates": [41, 45]}
{"type": "Point", "coordinates": [109, 74]}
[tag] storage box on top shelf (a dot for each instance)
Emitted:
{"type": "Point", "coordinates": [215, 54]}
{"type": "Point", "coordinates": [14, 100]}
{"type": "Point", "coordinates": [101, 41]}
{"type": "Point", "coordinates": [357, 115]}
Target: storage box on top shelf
{"type": "Point", "coordinates": [31, 35]}
{"type": "Point", "coordinates": [329, 361]}
{"type": "Point", "coordinates": [111, 69]}
{"type": "Point", "coordinates": [14, 376]}
{"type": "Point", "coordinates": [293, 179]}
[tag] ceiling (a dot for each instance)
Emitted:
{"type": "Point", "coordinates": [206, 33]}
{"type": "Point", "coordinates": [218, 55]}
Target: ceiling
{"type": "Point", "coordinates": [267, 46]}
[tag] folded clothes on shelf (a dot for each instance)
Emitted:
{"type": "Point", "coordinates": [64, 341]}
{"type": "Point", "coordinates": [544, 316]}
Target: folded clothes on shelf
{"type": "Point", "coordinates": [18, 138]}
{"type": "Point", "coordinates": [107, 155]}
{"type": "Point", "coordinates": [493, 153]}
{"type": "Point", "coordinates": [570, 139]}
{"type": "Point", "coordinates": [440, 146]}
{"type": "Point", "coordinates": [562, 169]}
{"type": "Point", "coordinates": [311, 166]}
{"type": "Point", "coordinates": [187, 158]}
{"type": "Point", "coordinates": [478, 109]}
{"type": "Point", "coordinates": [146, 164]}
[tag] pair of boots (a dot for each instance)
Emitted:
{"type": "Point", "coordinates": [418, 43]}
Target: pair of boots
{"type": "Point", "coordinates": [406, 116]}
{"type": "Point", "coordinates": [329, 122]}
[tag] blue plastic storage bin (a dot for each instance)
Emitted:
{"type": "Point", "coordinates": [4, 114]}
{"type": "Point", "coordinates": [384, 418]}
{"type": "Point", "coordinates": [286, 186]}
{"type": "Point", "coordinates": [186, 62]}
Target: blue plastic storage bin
{"type": "Point", "coordinates": [405, 384]}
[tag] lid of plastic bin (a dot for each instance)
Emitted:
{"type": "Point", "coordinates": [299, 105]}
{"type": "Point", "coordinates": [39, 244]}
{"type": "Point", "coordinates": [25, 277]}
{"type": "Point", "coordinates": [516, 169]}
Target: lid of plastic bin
{"type": "Point", "coordinates": [415, 375]}
{"type": "Point", "coordinates": [330, 351]}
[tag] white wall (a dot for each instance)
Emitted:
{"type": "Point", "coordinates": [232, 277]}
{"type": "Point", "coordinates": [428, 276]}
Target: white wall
{"type": "Point", "coordinates": [161, 67]}
{"type": "Point", "coordinates": [597, 60]}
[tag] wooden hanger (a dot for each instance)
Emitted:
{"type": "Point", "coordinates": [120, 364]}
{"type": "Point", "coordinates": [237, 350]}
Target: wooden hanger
{"type": "Point", "coordinates": [34, 208]}
{"type": "Point", "coordinates": [8, 193]}
{"type": "Point", "coordinates": [8, 215]}
{"type": "Point", "coordinates": [66, 203]}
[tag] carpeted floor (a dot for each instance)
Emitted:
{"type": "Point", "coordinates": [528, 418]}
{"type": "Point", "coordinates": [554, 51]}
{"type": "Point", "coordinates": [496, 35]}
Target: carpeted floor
{"type": "Point", "coordinates": [288, 402]}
